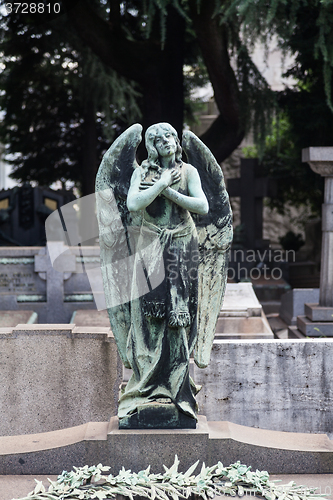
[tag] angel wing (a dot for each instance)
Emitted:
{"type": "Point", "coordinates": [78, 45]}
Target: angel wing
{"type": "Point", "coordinates": [215, 235]}
{"type": "Point", "coordinates": [114, 220]}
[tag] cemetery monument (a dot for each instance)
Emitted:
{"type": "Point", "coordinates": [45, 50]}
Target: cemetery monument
{"type": "Point", "coordinates": [165, 229]}
{"type": "Point", "coordinates": [318, 317]}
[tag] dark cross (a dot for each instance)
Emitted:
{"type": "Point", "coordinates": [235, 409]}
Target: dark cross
{"type": "Point", "coordinates": [252, 188]}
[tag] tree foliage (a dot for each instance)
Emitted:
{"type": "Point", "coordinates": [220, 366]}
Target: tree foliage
{"type": "Point", "coordinates": [306, 108]}
{"type": "Point", "coordinates": [52, 76]}
{"type": "Point", "coordinates": [106, 62]}
{"type": "Point", "coordinates": [58, 100]}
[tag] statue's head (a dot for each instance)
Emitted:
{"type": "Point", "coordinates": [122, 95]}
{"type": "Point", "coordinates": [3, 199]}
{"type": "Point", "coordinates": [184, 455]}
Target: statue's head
{"type": "Point", "coordinates": [151, 134]}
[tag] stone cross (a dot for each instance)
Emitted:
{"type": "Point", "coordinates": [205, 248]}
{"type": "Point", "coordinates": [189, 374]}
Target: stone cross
{"type": "Point", "coordinates": [320, 160]}
{"type": "Point", "coordinates": [252, 189]}
{"type": "Point", "coordinates": [66, 263]}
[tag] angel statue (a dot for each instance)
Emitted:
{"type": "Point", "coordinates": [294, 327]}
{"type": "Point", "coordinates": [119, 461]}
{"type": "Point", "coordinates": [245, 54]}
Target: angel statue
{"type": "Point", "coordinates": [165, 230]}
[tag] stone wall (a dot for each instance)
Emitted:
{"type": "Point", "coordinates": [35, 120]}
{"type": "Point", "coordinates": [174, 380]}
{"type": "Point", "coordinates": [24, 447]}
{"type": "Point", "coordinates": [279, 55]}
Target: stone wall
{"type": "Point", "coordinates": [271, 384]}
{"type": "Point", "coordinates": [59, 376]}
{"type": "Point", "coordinates": [56, 376]}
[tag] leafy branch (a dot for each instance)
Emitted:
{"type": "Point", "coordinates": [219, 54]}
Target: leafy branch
{"type": "Point", "coordinates": [87, 483]}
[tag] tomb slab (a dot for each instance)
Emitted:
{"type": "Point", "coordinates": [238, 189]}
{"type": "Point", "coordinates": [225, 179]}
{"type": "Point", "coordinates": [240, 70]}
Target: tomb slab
{"type": "Point", "coordinates": [13, 318]}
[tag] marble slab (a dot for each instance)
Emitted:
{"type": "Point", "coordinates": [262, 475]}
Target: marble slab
{"type": "Point", "coordinates": [240, 300]}
{"type": "Point", "coordinates": [14, 318]}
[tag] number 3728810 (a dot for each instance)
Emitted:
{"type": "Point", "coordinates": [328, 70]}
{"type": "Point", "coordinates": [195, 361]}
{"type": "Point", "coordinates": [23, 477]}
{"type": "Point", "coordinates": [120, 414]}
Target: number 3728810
{"type": "Point", "coordinates": [32, 8]}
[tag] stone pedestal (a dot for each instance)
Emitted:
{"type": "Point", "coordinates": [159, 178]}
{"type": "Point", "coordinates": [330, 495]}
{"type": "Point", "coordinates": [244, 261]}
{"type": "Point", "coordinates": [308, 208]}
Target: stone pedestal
{"type": "Point", "coordinates": [311, 328]}
{"type": "Point", "coordinates": [157, 416]}
{"type": "Point", "coordinates": [28, 281]}
{"type": "Point", "coordinates": [102, 442]}
{"type": "Point", "coordinates": [318, 313]}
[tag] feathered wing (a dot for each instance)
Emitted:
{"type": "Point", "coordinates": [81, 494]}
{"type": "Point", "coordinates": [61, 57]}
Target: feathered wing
{"type": "Point", "coordinates": [115, 224]}
{"type": "Point", "coordinates": [215, 236]}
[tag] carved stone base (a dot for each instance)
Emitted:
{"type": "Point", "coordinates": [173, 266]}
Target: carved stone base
{"type": "Point", "coordinates": [315, 312]}
{"type": "Point", "coordinates": [314, 328]}
{"type": "Point", "coordinates": [157, 416]}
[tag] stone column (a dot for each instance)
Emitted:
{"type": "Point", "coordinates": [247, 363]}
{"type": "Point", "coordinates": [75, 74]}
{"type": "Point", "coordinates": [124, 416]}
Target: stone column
{"type": "Point", "coordinates": [320, 160]}
{"type": "Point", "coordinates": [2, 169]}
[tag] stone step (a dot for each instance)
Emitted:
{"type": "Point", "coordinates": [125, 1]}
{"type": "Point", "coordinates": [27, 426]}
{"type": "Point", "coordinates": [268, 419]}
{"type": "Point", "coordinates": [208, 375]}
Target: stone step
{"type": "Point", "coordinates": [295, 333]}
{"type": "Point", "coordinates": [314, 328]}
{"type": "Point", "coordinates": [318, 313]}
{"type": "Point", "coordinates": [271, 306]}
{"type": "Point", "coordinates": [103, 442]}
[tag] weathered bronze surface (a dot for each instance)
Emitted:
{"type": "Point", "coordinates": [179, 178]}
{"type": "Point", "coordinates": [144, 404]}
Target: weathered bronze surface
{"type": "Point", "coordinates": [165, 230]}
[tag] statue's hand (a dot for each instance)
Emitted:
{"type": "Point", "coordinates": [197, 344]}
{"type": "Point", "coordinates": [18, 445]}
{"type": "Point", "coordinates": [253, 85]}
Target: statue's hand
{"type": "Point", "coordinates": [170, 176]}
{"type": "Point", "coordinates": [175, 176]}
{"type": "Point", "coordinates": [146, 185]}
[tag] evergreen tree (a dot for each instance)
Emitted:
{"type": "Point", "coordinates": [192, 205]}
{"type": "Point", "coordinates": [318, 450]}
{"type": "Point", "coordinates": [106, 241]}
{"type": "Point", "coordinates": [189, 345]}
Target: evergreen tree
{"type": "Point", "coordinates": [305, 117]}
{"type": "Point", "coordinates": [59, 102]}
{"type": "Point", "coordinates": [133, 52]}
{"type": "Point", "coordinates": [147, 42]}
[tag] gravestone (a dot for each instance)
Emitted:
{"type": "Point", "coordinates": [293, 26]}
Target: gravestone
{"type": "Point", "coordinates": [240, 300]}
{"type": "Point", "coordinates": [29, 281]}
{"type": "Point", "coordinates": [252, 188]}
{"type": "Point", "coordinates": [54, 282]}
{"type": "Point", "coordinates": [241, 315]}
{"type": "Point", "coordinates": [292, 303]}
{"type": "Point", "coordinates": [20, 285]}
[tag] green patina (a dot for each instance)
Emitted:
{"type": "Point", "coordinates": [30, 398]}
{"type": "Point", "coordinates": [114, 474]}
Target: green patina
{"type": "Point", "coordinates": [17, 260]}
{"type": "Point", "coordinates": [87, 260]}
{"type": "Point", "coordinates": [165, 229]}
{"type": "Point", "coordinates": [85, 483]}
{"type": "Point", "coordinates": [79, 297]}
{"type": "Point", "coordinates": [31, 298]}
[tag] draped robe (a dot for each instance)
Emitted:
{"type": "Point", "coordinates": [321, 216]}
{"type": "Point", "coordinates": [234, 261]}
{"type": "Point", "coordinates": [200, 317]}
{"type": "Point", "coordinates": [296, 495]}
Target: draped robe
{"type": "Point", "coordinates": [164, 321]}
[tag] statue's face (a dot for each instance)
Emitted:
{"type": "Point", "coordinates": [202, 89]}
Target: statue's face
{"type": "Point", "coordinates": [165, 143]}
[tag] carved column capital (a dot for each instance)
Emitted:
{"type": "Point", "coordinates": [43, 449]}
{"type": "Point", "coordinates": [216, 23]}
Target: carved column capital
{"type": "Point", "coordinates": [320, 160]}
